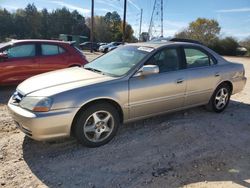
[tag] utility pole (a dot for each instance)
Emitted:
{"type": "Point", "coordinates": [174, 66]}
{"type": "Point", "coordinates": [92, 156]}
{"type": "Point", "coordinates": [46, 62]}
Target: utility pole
{"type": "Point", "coordinates": [124, 21]}
{"type": "Point", "coordinates": [140, 24]}
{"type": "Point", "coordinates": [161, 18]}
{"type": "Point", "coordinates": [92, 27]}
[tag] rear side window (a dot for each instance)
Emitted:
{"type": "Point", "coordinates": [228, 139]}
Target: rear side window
{"type": "Point", "coordinates": [50, 49]}
{"type": "Point", "coordinates": [196, 58]}
{"type": "Point", "coordinates": [26, 50]}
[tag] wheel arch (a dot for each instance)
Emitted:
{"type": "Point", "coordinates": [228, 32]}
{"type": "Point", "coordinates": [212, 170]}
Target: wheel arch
{"type": "Point", "coordinates": [75, 65]}
{"type": "Point", "coordinates": [228, 82]}
{"type": "Point", "coordinates": [96, 101]}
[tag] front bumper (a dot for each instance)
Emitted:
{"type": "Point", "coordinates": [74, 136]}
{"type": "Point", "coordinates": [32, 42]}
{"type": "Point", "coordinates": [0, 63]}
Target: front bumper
{"type": "Point", "coordinates": [44, 125]}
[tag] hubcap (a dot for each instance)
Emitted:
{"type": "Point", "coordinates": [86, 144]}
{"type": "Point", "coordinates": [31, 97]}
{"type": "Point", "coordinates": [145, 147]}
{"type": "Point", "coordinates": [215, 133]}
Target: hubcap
{"type": "Point", "coordinates": [98, 126]}
{"type": "Point", "coordinates": [221, 98]}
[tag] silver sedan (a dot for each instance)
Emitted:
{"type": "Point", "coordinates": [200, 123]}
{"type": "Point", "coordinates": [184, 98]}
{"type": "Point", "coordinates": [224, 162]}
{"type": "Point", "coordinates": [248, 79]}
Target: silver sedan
{"type": "Point", "coordinates": [132, 82]}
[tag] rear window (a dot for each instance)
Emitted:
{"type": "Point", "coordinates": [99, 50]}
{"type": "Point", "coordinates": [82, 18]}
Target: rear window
{"type": "Point", "coordinates": [50, 49]}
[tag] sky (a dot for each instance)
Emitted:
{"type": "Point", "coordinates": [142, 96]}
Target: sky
{"type": "Point", "coordinates": [232, 15]}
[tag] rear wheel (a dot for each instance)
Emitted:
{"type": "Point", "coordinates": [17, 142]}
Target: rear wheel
{"type": "Point", "coordinates": [220, 98]}
{"type": "Point", "coordinates": [97, 125]}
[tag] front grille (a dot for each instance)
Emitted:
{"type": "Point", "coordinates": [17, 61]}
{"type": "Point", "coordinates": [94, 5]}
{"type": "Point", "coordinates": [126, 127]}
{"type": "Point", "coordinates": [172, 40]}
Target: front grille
{"type": "Point", "coordinates": [16, 97]}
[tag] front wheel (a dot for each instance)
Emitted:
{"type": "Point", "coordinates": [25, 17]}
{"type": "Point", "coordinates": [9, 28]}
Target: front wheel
{"type": "Point", "coordinates": [97, 125]}
{"type": "Point", "coordinates": [220, 98]}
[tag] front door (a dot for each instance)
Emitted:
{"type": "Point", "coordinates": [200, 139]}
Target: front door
{"type": "Point", "coordinates": [19, 65]}
{"type": "Point", "coordinates": [158, 93]}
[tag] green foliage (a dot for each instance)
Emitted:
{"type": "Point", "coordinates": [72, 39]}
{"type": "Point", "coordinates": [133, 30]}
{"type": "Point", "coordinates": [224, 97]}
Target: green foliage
{"type": "Point", "coordinates": [109, 28]}
{"type": "Point", "coordinates": [203, 30]}
{"type": "Point", "coordinates": [207, 31]}
{"type": "Point", "coordinates": [6, 23]}
{"type": "Point", "coordinates": [31, 23]}
{"type": "Point", "coordinates": [226, 46]}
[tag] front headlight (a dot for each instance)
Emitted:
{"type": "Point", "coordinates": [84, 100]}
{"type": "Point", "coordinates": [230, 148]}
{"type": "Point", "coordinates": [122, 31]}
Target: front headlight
{"type": "Point", "coordinates": [36, 104]}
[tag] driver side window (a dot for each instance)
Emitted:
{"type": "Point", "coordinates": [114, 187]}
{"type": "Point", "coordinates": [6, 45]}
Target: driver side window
{"type": "Point", "coordinates": [167, 60]}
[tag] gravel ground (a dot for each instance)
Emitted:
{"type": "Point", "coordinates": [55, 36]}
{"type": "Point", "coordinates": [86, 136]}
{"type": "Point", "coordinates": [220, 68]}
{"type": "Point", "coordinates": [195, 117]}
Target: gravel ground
{"type": "Point", "coordinates": [192, 148]}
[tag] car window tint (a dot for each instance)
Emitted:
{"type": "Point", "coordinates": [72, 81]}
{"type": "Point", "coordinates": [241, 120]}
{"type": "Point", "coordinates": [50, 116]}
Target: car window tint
{"type": "Point", "coordinates": [49, 49]}
{"type": "Point", "coordinates": [167, 60]}
{"type": "Point", "coordinates": [196, 58]}
{"type": "Point", "coordinates": [26, 50]}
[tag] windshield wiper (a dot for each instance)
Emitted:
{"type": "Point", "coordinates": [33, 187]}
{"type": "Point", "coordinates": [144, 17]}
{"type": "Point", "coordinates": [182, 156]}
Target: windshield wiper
{"type": "Point", "coordinates": [94, 70]}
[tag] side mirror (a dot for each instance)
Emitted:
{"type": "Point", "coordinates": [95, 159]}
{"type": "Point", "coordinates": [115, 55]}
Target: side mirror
{"type": "Point", "coordinates": [147, 70]}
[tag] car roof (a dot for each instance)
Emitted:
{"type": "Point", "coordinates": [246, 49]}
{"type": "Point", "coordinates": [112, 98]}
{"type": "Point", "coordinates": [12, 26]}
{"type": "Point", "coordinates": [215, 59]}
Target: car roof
{"type": "Point", "coordinates": [159, 44]}
{"type": "Point", "coordinates": [39, 40]}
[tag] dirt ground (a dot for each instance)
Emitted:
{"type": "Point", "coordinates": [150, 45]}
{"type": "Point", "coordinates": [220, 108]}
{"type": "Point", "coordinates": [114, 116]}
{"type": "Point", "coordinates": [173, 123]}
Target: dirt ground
{"type": "Point", "coordinates": [192, 148]}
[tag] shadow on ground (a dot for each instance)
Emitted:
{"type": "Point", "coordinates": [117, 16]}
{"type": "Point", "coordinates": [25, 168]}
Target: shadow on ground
{"type": "Point", "coordinates": [172, 150]}
{"type": "Point", "coordinates": [5, 93]}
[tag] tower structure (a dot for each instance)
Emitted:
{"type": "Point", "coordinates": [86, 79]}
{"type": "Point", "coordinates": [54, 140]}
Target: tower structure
{"type": "Point", "coordinates": [156, 22]}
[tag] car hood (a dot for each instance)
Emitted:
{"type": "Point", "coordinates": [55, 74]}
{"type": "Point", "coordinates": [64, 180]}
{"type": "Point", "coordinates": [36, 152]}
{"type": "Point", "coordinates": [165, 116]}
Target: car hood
{"type": "Point", "coordinates": [61, 80]}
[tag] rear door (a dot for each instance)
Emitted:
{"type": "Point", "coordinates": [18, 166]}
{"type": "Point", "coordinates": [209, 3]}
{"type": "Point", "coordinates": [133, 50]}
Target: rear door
{"type": "Point", "coordinates": [202, 75]}
{"type": "Point", "coordinates": [51, 57]}
{"type": "Point", "coordinates": [20, 64]}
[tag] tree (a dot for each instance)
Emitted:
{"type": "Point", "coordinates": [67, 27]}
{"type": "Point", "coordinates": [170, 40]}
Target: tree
{"type": "Point", "coordinates": [33, 21]}
{"type": "Point", "coordinates": [20, 24]}
{"type": "Point", "coordinates": [100, 26]}
{"type": "Point", "coordinates": [109, 28]}
{"type": "Point", "coordinates": [6, 26]}
{"type": "Point", "coordinates": [45, 29]}
{"type": "Point", "coordinates": [226, 46]}
{"type": "Point", "coordinates": [203, 30]}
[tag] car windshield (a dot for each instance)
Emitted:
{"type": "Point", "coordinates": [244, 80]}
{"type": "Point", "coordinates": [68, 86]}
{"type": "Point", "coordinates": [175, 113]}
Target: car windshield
{"type": "Point", "coordinates": [120, 61]}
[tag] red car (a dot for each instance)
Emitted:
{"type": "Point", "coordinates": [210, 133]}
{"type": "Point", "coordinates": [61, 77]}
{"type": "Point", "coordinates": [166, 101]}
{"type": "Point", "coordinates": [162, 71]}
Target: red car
{"type": "Point", "coordinates": [21, 59]}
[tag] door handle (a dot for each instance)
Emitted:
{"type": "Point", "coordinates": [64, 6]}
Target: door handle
{"type": "Point", "coordinates": [179, 81]}
{"type": "Point", "coordinates": [217, 74]}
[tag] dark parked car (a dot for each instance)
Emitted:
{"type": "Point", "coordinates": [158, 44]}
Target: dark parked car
{"type": "Point", "coordinates": [21, 59]}
{"type": "Point", "coordinates": [87, 46]}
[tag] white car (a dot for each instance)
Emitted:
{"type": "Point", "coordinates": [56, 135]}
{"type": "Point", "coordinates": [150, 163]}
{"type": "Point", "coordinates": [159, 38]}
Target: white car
{"type": "Point", "coordinates": [105, 48]}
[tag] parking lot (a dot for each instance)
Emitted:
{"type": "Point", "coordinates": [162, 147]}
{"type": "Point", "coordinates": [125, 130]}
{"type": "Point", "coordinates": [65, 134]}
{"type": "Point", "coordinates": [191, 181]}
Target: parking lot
{"type": "Point", "coordinates": [192, 148]}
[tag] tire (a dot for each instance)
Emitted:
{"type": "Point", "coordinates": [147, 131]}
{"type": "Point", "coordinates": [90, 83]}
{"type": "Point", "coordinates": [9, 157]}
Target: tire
{"type": "Point", "coordinates": [220, 98]}
{"type": "Point", "coordinates": [105, 50]}
{"type": "Point", "coordinates": [97, 125]}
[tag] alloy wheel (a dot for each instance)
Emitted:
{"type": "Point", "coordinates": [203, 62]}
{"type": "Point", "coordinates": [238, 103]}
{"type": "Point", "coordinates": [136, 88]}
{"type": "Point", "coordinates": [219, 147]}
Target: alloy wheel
{"type": "Point", "coordinates": [221, 98]}
{"type": "Point", "coordinates": [98, 126]}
